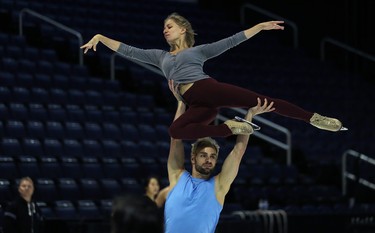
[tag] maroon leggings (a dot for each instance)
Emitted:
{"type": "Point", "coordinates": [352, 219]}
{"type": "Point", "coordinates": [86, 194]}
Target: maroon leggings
{"type": "Point", "coordinates": [205, 98]}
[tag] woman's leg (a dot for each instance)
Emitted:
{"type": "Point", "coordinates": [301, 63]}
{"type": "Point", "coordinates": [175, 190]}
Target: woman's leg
{"type": "Point", "coordinates": [194, 124]}
{"type": "Point", "coordinates": [209, 92]}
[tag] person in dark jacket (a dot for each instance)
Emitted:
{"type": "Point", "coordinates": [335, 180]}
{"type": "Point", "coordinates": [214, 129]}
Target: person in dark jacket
{"type": "Point", "coordinates": [23, 215]}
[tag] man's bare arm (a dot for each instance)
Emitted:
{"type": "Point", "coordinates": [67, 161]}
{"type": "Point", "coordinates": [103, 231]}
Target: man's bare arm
{"type": "Point", "coordinates": [231, 164]}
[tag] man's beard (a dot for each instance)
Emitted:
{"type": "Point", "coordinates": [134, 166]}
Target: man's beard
{"type": "Point", "coordinates": [204, 171]}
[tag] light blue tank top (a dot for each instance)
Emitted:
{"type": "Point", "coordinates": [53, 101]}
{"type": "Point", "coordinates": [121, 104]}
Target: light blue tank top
{"type": "Point", "coordinates": [191, 206]}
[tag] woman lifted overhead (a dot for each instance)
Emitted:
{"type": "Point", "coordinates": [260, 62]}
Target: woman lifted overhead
{"type": "Point", "coordinates": [183, 64]}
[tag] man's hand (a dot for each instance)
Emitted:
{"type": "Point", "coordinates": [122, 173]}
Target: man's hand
{"type": "Point", "coordinates": [259, 109]}
{"type": "Point", "coordinates": [174, 90]}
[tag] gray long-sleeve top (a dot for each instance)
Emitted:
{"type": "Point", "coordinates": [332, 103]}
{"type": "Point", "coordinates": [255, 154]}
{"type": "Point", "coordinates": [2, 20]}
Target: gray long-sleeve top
{"type": "Point", "coordinates": [187, 65]}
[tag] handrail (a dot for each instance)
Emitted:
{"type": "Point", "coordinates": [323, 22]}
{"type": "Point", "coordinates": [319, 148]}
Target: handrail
{"type": "Point", "coordinates": [287, 146]}
{"type": "Point", "coordinates": [292, 24]}
{"type": "Point", "coordinates": [54, 23]}
{"type": "Point", "coordinates": [113, 61]}
{"type": "Point", "coordinates": [346, 175]}
{"type": "Point", "coordinates": [343, 46]}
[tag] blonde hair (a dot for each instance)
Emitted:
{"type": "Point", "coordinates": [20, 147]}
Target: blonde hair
{"type": "Point", "coordinates": [203, 143]}
{"type": "Point", "coordinates": [26, 178]}
{"type": "Point", "coordinates": [184, 23]}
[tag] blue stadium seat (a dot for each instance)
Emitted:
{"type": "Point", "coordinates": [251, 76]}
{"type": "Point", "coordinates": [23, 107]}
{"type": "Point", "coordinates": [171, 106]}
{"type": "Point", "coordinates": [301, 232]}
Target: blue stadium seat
{"type": "Point", "coordinates": [65, 210]}
{"type": "Point", "coordinates": [10, 64]}
{"type": "Point", "coordinates": [131, 185]}
{"type": "Point", "coordinates": [130, 148]}
{"type": "Point", "coordinates": [52, 147]}
{"type": "Point", "coordinates": [76, 96]}
{"type": "Point", "coordinates": [74, 130]}
{"type": "Point", "coordinates": [87, 209]}
{"type": "Point", "coordinates": [71, 167]}
{"type": "Point", "coordinates": [92, 168]}
{"type": "Point", "coordinates": [20, 94]}
{"type": "Point", "coordinates": [5, 94]}
{"type": "Point", "coordinates": [146, 117]}
{"type": "Point", "coordinates": [147, 132]}
{"type": "Point", "coordinates": [56, 112]}
{"type": "Point", "coordinates": [60, 81]}
{"type": "Point", "coordinates": [35, 129]}
{"type": "Point", "coordinates": [129, 117]}
{"type": "Point", "coordinates": [69, 189]}
{"type": "Point", "coordinates": [110, 187]}
{"type": "Point", "coordinates": [24, 79]}
{"type": "Point", "coordinates": [4, 113]}
{"type": "Point", "coordinates": [8, 79]}
{"type": "Point", "coordinates": [47, 211]}
{"type": "Point", "coordinates": [18, 111]}
{"type": "Point", "coordinates": [111, 131]}
{"type": "Point", "coordinates": [92, 148]}
{"type": "Point", "coordinates": [112, 167]}
{"type": "Point", "coordinates": [112, 148]}
{"type": "Point", "coordinates": [131, 167]}
{"type": "Point", "coordinates": [47, 190]}
{"type": "Point", "coordinates": [75, 113]}
{"type": "Point", "coordinates": [93, 114]}
{"type": "Point", "coordinates": [54, 129]}
{"type": "Point", "coordinates": [28, 166]}
{"type": "Point", "coordinates": [14, 128]}
{"type": "Point", "coordinates": [106, 207]}
{"type": "Point", "coordinates": [73, 147]}
{"type": "Point", "coordinates": [31, 53]}
{"type": "Point", "coordinates": [93, 97]}
{"type": "Point", "coordinates": [130, 132]}
{"type": "Point", "coordinates": [8, 168]}
{"type": "Point", "coordinates": [39, 95]}
{"type": "Point", "coordinates": [162, 132]}
{"type": "Point", "coordinates": [58, 96]}
{"type": "Point", "coordinates": [50, 167]}
{"type": "Point", "coordinates": [93, 130]}
{"type": "Point", "coordinates": [42, 80]}
{"type": "Point", "coordinates": [26, 65]}
{"type": "Point", "coordinates": [6, 193]}
{"type": "Point", "coordinates": [95, 84]}
{"type": "Point", "coordinates": [147, 149]}
{"type": "Point", "coordinates": [38, 112]}
{"type": "Point", "coordinates": [44, 67]}
{"type": "Point", "coordinates": [110, 97]}
{"type": "Point", "coordinates": [112, 116]}
{"type": "Point", "coordinates": [90, 189]}
{"type": "Point", "coordinates": [62, 68]}
{"type": "Point", "coordinates": [32, 146]}
{"type": "Point", "coordinates": [11, 146]}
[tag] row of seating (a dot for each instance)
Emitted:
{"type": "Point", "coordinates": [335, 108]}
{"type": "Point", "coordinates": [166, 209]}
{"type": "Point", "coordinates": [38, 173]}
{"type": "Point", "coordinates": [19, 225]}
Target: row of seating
{"type": "Point", "coordinates": [130, 114]}
{"type": "Point", "coordinates": [88, 129]}
{"type": "Point", "coordinates": [50, 190]}
{"type": "Point", "coordinates": [73, 147]}
{"type": "Point", "coordinates": [35, 79]}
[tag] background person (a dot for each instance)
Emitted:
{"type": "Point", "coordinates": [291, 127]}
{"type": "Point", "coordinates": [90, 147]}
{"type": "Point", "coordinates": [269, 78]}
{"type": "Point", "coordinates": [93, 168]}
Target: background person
{"type": "Point", "coordinates": [23, 214]}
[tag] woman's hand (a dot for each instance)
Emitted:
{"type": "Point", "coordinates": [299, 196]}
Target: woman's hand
{"type": "Point", "coordinates": [91, 44]}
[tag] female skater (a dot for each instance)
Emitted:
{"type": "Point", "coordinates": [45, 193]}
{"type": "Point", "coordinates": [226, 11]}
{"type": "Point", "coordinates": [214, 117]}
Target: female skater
{"type": "Point", "coordinates": [182, 65]}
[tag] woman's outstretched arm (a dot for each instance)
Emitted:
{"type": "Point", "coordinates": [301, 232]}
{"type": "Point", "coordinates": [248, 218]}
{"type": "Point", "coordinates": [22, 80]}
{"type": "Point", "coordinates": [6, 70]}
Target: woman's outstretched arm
{"type": "Point", "coordinates": [110, 43]}
{"type": "Point", "coordinates": [269, 25]}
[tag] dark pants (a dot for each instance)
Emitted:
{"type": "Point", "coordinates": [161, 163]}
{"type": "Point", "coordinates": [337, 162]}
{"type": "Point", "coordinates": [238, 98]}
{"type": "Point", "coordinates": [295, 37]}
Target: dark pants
{"type": "Point", "coordinates": [205, 98]}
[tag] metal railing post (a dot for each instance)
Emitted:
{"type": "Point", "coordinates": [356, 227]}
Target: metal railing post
{"type": "Point", "coordinates": [54, 23]}
{"type": "Point", "coordinates": [292, 24]}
